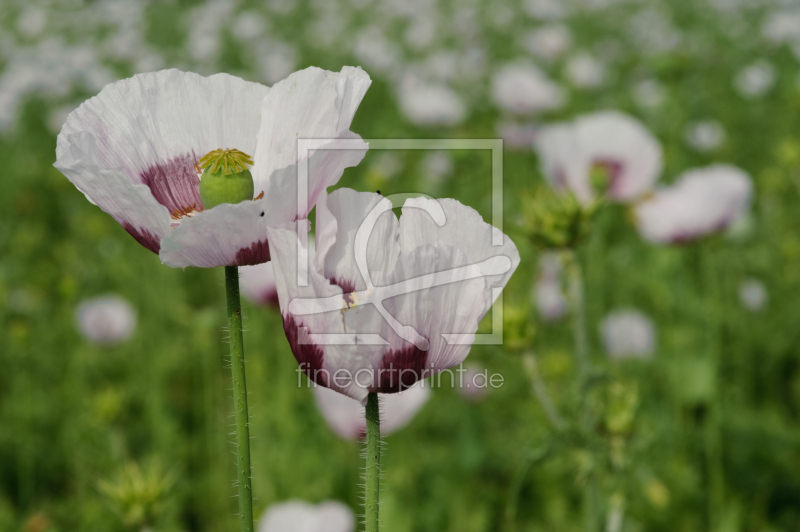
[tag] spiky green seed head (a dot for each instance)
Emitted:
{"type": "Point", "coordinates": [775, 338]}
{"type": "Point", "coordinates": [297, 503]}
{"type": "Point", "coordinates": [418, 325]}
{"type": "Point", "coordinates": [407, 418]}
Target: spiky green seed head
{"type": "Point", "coordinates": [556, 220]}
{"type": "Point", "coordinates": [226, 178]}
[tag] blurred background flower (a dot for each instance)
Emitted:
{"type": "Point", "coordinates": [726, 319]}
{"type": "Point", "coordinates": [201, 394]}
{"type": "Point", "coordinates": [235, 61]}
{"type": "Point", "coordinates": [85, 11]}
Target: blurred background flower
{"type": "Point", "coordinates": [345, 416]}
{"type": "Point", "coordinates": [628, 334]}
{"type": "Point", "coordinates": [106, 320]}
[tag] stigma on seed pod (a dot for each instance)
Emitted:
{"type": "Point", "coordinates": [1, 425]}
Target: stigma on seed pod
{"type": "Point", "coordinates": [225, 177]}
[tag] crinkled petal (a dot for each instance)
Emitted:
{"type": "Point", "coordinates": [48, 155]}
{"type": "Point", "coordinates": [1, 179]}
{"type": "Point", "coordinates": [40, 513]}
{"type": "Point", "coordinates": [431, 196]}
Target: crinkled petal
{"type": "Point", "coordinates": [309, 104]}
{"type": "Point", "coordinates": [325, 167]}
{"type": "Point", "coordinates": [340, 216]}
{"type": "Point", "coordinates": [463, 229]}
{"type": "Point", "coordinates": [131, 205]}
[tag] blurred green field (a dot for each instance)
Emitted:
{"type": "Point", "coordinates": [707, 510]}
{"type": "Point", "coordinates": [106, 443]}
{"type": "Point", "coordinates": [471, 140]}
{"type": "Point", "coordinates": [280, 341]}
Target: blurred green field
{"type": "Point", "coordinates": [73, 414]}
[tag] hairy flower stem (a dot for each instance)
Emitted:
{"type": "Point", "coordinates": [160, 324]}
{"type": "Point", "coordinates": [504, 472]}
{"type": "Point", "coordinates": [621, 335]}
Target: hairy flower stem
{"type": "Point", "coordinates": [239, 399]}
{"type": "Point", "coordinates": [372, 455]}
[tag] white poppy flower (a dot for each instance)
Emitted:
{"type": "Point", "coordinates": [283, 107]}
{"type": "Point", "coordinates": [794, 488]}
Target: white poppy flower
{"type": "Point", "coordinates": [584, 71]}
{"type": "Point", "coordinates": [521, 88]}
{"type": "Point", "coordinates": [753, 295]}
{"type": "Point", "coordinates": [382, 312]}
{"type": "Point", "coordinates": [705, 135]}
{"type": "Point", "coordinates": [701, 202]}
{"type": "Point", "coordinates": [609, 144]}
{"type": "Point", "coordinates": [628, 334]}
{"type": "Point", "coordinates": [106, 320]}
{"type": "Point", "coordinates": [133, 150]}
{"type": "Point", "coordinates": [755, 80]}
{"type": "Point", "coordinates": [548, 42]}
{"type": "Point", "coordinates": [345, 415]}
{"type": "Point", "coordinates": [300, 516]}
{"type": "Point", "coordinates": [649, 94]}
{"type": "Point", "coordinates": [430, 104]}
{"type": "Point", "coordinates": [782, 27]}
{"type": "Point", "coordinates": [546, 9]}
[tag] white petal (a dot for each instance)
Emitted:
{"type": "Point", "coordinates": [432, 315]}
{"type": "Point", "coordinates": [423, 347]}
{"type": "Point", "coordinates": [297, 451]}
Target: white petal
{"type": "Point", "coordinates": [153, 127]}
{"type": "Point", "coordinates": [628, 334]}
{"type": "Point", "coordinates": [325, 167]}
{"type": "Point", "coordinates": [300, 516]}
{"type": "Point", "coordinates": [463, 229]}
{"type": "Point", "coordinates": [131, 205]}
{"type": "Point", "coordinates": [227, 235]}
{"type": "Point", "coordinates": [702, 201]}
{"type": "Point", "coordinates": [340, 215]}
{"type": "Point", "coordinates": [309, 104]}
{"type": "Point", "coordinates": [523, 89]}
{"type": "Point", "coordinates": [106, 320]}
{"type": "Point", "coordinates": [346, 416]}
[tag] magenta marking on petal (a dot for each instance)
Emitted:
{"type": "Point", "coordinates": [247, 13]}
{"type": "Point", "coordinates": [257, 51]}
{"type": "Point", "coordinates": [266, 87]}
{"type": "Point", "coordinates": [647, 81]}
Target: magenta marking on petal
{"type": "Point", "coordinates": [144, 237]}
{"type": "Point", "coordinates": [308, 355]}
{"type": "Point", "coordinates": [257, 253]}
{"type": "Point", "coordinates": [269, 297]}
{"type": "Point", "coordinates": [348, 287]}
{"type": "Point", "coordinates": [400, 369]}
{"type": "Point", "coordinates": [174, 183]}
{"type": "Point", "coordinates": [613, 169]}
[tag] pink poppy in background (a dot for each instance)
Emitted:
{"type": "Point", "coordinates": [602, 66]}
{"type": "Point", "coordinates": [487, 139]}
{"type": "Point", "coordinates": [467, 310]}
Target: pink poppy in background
{"type": "Point", "coordinates": [133, 148]}
{"type": "Point", "coordinates": [474, 383]}
{"type": "Point", "coordinates": [345, 415]}
{"type": "Point", "coordinates": [392, 307]}
{"type": "Point", "coordinates": [106, 320]}
{"type": "Point", "coordinates": [257, 283]}
{"type": "Point", "coordinates": [300, 516]}
{"type": "Point", "coordinates": [628, 333]}
{"type": "Point", "coordinates": [609, 145]}
{"type": "Point", "coordinates": [547, 294]}
{"type": "Point", "coordinates": [701, 202]}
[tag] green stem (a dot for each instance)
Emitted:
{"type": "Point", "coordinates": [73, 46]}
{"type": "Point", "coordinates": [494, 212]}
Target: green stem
{"type": "Point", "coordinates": [581, 340]}
{"type": "Point", "coordinates": [373, 466]}
{"type": "Point", "coordinates": [239, 399]}
{"type": "Point", "coordinates": [540, 391]}
{"type": "Point", "coordinates": [578, 303]}
{"type": "Point", "coordinates": [713, 433]}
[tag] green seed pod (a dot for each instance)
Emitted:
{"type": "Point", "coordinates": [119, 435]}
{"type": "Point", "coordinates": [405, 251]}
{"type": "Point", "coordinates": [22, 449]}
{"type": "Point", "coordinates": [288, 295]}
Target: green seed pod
{"type": "Point", "coordinates": [556, 220]}
{"type": "Point", "coordinates": [225, 178]}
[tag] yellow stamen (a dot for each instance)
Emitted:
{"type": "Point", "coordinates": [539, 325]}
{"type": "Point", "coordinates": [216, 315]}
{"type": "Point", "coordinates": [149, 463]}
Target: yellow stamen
{"type": "Point", "coordinates": [229, 161]}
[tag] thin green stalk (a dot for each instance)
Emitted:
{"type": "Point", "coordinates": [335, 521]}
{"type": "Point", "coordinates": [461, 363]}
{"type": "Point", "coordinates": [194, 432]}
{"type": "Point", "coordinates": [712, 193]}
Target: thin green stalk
{"type": "Point", "coordinates": [713, 432]}
{"type": "Point", "coordinates": [239, 399]}
{"type": "Point", "coordinates": [540, 390]}
{"type": "Point", "coordinates": [578, 304]}
{"type": "Point", "coordinates": [581, 342]}
{"type": "Point", "coordinates": [373, 466]}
